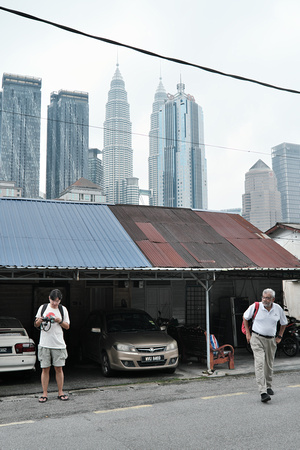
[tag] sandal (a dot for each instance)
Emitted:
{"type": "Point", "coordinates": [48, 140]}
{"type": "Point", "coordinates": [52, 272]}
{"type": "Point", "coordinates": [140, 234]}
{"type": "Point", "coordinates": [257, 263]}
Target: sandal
{"type": "Point", "coordinates": [63, 397]}
{"type": "Point", "coordinates": [43, 399]}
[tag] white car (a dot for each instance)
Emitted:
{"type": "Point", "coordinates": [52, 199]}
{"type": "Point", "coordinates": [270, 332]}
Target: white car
{"type": "Point", "coordinates": [17, 350]}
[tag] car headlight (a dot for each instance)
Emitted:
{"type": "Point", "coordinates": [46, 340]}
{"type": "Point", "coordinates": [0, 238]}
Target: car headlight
{"type": "Point", "coordinates": [172, 346]}
{"type": "Point", "coordinates": [124, 347]}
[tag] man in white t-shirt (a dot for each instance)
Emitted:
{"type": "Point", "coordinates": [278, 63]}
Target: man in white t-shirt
{"type": "Point", "coordinates": [264, 339]}
{"type": "Point", "coordinates": [52, 349]}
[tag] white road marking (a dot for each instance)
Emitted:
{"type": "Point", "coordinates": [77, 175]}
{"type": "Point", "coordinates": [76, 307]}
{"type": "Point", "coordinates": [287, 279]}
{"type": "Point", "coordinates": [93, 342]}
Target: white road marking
{"type": "Point", "coordinates": [16, 423]}
{"type": "Point", "coordinates": [122, 409]}
{"type": "Point", "coordinates": [224, 395]}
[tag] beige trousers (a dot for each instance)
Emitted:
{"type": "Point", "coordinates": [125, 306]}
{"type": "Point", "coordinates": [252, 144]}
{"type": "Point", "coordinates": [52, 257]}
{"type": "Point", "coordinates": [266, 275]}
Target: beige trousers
{"type": "Point", "coordinates": [264, 353]}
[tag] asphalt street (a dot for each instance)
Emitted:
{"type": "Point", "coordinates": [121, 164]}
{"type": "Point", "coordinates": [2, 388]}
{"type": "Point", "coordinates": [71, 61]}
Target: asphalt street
{"type": "Point", "coordinates": [200, 413]}
{"type": "Point", "coordinates": [87, 376]}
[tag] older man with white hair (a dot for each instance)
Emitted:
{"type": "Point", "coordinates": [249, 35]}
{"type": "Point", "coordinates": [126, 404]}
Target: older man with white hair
{"type": "Point", "coordinates": [263, 339]}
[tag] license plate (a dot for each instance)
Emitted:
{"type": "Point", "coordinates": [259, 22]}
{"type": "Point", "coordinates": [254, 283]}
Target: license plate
{"type": "Point", "coordinates": [153, 358]}
{"type": "Point", "coordinates": [5, 350]}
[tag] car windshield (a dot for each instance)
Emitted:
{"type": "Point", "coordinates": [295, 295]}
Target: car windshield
{"type": "Point", "coordinates": [130, 321]}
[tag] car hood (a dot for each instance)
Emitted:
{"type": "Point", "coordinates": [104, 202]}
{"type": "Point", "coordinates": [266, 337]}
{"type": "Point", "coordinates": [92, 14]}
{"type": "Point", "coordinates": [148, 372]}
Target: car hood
{"type": "Point", "coordinates": [141, 337]}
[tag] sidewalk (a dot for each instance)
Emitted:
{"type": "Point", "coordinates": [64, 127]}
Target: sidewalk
{"type": "Point", "coordinates": [89, 376]}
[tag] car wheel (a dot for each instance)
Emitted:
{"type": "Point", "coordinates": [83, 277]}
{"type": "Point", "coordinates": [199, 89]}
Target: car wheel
{"type": "Point", "coordinates": [290, 346]}
{"type": "Point", "coordinates": [105, 365]}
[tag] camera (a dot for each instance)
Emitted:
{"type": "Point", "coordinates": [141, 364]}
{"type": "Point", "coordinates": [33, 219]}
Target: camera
{"type": "Point", "coordinates": [48, 319]}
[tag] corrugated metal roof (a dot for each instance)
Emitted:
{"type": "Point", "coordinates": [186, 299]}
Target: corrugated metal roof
{"type": "Point", "coordinates": [200, 239]}
{"type": "Point", "coordinates": [39, 233]}
{"type": "Point", "coordinates": [256, 245]}
{"type": "Point", "coordinates": [55, 234]}
{"type": "Point", "coordinates": [284, 226]}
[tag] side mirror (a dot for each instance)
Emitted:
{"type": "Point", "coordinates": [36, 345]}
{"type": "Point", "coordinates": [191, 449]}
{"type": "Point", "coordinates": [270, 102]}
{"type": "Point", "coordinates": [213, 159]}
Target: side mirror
{"type": "Point", "coordinates": [96, 330]}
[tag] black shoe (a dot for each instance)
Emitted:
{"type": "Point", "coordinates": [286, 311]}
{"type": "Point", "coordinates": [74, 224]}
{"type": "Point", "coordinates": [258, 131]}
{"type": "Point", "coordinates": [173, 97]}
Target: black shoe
{"type": "Point", "coordinates": [270, 391]}
{"type": "Point", "coordinates": [265, 397]}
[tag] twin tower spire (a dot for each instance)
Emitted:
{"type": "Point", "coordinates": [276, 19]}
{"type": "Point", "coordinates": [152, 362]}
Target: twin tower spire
{"type": "Point", "coordinates": [176, 163]}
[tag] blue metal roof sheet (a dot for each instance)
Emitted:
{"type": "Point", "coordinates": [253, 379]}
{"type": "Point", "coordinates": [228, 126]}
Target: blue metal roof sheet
{"type": "Point", "coordinates": [44, 233]}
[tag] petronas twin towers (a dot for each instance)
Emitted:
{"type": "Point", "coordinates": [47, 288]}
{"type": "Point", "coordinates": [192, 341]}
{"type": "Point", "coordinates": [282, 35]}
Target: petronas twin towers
{"type": "Point", "coordinates": [117, 150]}
{"type": "Point", "coordinates": [177, 164]}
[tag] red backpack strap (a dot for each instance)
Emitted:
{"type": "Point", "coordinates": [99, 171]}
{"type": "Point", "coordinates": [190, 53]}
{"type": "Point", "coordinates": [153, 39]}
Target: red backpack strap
{"type": "Point", "coordinates": [256, 309]}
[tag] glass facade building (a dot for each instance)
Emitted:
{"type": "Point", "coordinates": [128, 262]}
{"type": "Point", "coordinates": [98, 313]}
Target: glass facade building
{"type": "Point", "coordinates": [67, 140]}
{"type": "Point", "coordinates": [159, 99]}
{"type": "Point", "coordinates": [20, 128]}
{"type": "Point", "coordinates": [286, 165]}
{"type": "Point", "coordinates": [181, 162]}
{"type": "Point", "coordinates": [95, 167]}
{"type": "Point", "coordinates": [117, 150]}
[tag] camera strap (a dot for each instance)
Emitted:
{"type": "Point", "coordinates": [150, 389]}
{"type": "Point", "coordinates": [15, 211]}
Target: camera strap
{"type": "Point", "coordinates": [60, 307]}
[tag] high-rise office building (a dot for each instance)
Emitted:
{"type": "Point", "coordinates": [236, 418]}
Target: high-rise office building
{"type": "Point", "coordinates": [286, 165]}
{"type": "Point", "coordinates": [261, 201]}
{"type": "Point", "coordinates": [95, 167]}
{"type": "Point", "coordinates": [159, 99]}
{"type": "Point", "coordinates": [181, 162]}
{"type": "Point", "coordinates": [117, 150]}
{"type": "Point", "coordinates": [67, 140]}
{"type": "Point", "coordinates": [20, 126]}
{"type": "Point", "coordinates": [132, 190]}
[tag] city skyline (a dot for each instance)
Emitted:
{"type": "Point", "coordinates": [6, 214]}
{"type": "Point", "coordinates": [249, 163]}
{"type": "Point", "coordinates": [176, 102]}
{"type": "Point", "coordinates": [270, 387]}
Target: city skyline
{"type": "Point", "coordinates": [67, 140]}
{"type": "Point", "coordinates": [180, 161]}
{"type": "Point", "coordinates": [243, 121]}
{"type": "Point", "coordinates": [117, 143]}
{"type": "Point", "coordinates": [286, 166]}
{"type": "Point", "coordinates": [261, 200]}
{"type": "Point", "coordinates": [20, 125]}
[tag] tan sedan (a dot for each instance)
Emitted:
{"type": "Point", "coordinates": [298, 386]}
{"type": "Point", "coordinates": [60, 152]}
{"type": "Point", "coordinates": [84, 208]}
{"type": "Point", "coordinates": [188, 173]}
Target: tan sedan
{"type": "Point", "coordinates": [127, 339]}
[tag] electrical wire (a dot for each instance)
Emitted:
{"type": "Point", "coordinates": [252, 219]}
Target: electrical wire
{"type": "Point", "coordinates": [113, 130]}
{"type": "Point", "coordinates": [147, 52]}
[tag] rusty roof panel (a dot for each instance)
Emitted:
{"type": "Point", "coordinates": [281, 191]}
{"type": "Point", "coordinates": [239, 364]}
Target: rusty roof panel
{"type": "Point", "coordinates": [229, 225]}
{"type": "Point", "coordinates": [264, 253]}
{"type": "Point", "coordinates": [200, 238]}
{"type": "Point", "coordinates": [252, 242]}
{"type": "Point", "coordinates": [194, 242]}
{"type": "Point", "coordinates": [150, 232]}
{"type": "Point", "coordinates": [161, 255]}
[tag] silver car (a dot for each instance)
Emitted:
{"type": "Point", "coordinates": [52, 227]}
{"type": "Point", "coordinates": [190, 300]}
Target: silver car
{"type": "Point", "coordinates": [17, 350]}
{"type": "Point", "coordinates": [127, 339]}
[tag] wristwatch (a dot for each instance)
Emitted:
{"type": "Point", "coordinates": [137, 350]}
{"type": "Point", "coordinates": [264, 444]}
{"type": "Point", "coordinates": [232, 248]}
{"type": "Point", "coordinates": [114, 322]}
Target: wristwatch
{"type": "Point", "coordinates": [278, 335]}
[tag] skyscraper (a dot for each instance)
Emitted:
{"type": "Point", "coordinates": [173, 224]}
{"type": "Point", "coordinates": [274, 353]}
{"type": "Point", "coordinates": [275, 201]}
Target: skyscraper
{"type": "Point", "coordinates": [181, 162]}
{"type": "Point", "coordinates": [159, 99]}
{"type": "Point", "coordinates": [117, 150]}
{"type": "Point", "coordinates": [20, 126]}
{"type": "Point", "coordinates": [95, 167]}
{"type": "Point", "coordinates": [261, 201]}
{"type": "Point", "coordinates": [67, 140]}
{"type": "Point", "coordinates": [286, 165]}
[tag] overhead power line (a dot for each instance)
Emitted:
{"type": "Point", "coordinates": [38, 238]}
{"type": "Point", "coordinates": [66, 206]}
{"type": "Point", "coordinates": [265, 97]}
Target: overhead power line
{"type": "Point", "coordinates": [131, 133]}
{"type": "Point", "coordinates": [147, 52]}
{"type": "Point", "coordinates": [114, 130]}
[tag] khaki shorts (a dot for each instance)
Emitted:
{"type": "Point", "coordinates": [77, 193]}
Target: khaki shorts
{"type": "Point", "coordinates": [52, 356]}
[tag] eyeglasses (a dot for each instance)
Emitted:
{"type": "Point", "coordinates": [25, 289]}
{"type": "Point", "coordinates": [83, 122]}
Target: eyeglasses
{"type": "Point", "coordinates": [267, 298]}
{"type": "Point", "coordinates": [55, 301]}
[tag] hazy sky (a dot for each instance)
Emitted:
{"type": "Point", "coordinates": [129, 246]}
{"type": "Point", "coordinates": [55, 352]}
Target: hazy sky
{"type": "Point", "coordinates": [242, 121]}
